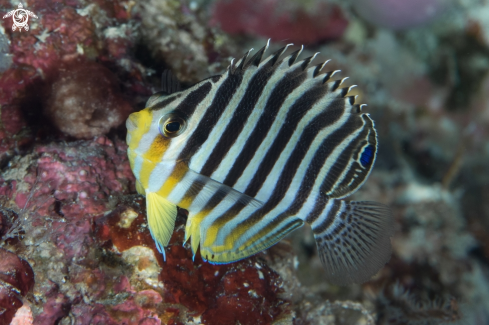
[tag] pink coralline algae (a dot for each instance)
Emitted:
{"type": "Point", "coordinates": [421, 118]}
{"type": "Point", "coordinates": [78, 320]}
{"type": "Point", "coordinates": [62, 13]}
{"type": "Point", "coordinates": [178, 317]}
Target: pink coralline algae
{"type": "Point", "coordinates": [86, 101]}
{"type": "Point", "coordinates": [12, 87]}
{"type": "Point", "coordinates": [397, 14]}
{"type": "Point", "coordinates": [16, 279]}
{"type": "Point", "coordinates": [281, 20]}
{"type": "Point", "coordinates": [76, 179]}
{"type": "Point", "coordinates": [245, 292]}
{"type": "Point", "coordinates": [67, 35]}
{"type": "Point", "coordinates": [95, 260]}
{"type": "Point", "coordinates": [65, 32]}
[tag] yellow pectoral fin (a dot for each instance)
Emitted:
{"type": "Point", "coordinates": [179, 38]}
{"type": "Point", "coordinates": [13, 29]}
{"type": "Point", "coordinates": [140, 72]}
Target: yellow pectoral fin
{"type": "Point", "coordinates": [161, 219]}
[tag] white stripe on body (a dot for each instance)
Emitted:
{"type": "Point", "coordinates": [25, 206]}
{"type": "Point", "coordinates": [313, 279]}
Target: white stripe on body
{"type": "Point", "coordinates": [274, 175]}
{"type": "Point", "coordinates": [159, 175]}
{"type": "Point", "coordinates": [260, 153]}
{"type": "Point", "coordinates": [335, 222]}
{"type": "Point", "coordinates": [323, 215]}
{"type": "Point", "coordinates": [178, 144]}
{"type": "Point", "coordinates": [138, 164]}
{"type": "Point", "coordinates": [333, 157]}
{"type": "Point", "coordinates": [272, 180]}
{"type": "Point", "coordinates": [230, 158]}
{"type": "Point", "coordinates": [198, 160]}
{"type": "Point", "coordinates": [347, 169]}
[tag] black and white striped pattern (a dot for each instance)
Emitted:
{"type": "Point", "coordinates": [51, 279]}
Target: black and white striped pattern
{"type": "Point", "coordinates": [269, 145]}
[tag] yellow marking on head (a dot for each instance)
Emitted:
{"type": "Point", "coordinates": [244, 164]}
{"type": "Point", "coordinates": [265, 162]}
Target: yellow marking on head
{"type": "Point", "coordinates": [142, 121]}
{"type": "Point", "coordinates": [146, 169]}
{"type": "Point", "coordinates": [157, 149]}
{"type": "Point", "coordinates": [131, 155]}
{"type": "Point", "coordinates": [176, 177]}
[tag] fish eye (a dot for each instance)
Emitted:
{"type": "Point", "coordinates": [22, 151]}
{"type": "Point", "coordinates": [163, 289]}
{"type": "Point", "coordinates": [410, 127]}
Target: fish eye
{"type": "Point", "coordinates": [172, 125]}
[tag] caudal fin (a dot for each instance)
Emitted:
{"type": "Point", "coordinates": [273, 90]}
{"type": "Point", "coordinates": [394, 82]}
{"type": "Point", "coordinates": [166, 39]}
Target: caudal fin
{"type": "Point", "coordinates": [353, 240]}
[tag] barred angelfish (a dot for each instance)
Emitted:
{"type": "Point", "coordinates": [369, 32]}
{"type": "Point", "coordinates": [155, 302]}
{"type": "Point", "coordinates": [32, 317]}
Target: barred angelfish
{"type": "Point", "coordinates": [253, 154]}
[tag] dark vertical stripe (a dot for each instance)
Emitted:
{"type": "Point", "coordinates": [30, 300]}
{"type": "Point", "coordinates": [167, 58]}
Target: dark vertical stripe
{"type": "Point", "coordinates": [240, 116]}
{"type": "Point", "coordinates": [322, 120]}
{"type": "Point", "coordinates": [193, 99]}
{"type": "Point", "coordinates": [331, 178]}
{"type": "Point", "coordinates": [209, 120]}
{"type": "Point", "coordinates": [319, 207]}
{"type": "Point", "coordinates": [164, 102]}
{"type": "Point", "coordinates": [314, 169]}
{"type": "Point", "coordinates": [329, 116]}
{"type": "Point", "coordinates": [338, 167]}
{"type": "Point", "coordinates": [211, 116]}
{"type": "Point", "coordinates": [274, 103]}
{"type": "Point", "coordinates": [298, 154]}
{"type": "Point", "coordinates": [327, 219]}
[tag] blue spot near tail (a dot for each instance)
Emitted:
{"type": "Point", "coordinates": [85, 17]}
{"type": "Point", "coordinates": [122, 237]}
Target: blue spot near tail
{"type": "Point", "coordinates": [367, 155]}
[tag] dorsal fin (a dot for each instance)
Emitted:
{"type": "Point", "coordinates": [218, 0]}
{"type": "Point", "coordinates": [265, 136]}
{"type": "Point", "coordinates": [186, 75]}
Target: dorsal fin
{"type": "Point", "coordinates": [242, 61]}
{"type": "Point", "coordinates": [306, 62]}
{"type": "Point", "coordinates": [169, 83]}
{"type": "Point", "coordinates": [295, 55]}
{"type": "Point", "coordinates": [278, 53]}
{"type": "Point", "coordinates": [256, 59]}
{"type": "Point", "coordinates": [319, 67]}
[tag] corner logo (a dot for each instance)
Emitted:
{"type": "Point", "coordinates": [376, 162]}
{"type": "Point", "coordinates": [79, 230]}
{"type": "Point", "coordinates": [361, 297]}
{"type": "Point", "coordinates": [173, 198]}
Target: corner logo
{"type": "Point", "coordinates": [20, 17]}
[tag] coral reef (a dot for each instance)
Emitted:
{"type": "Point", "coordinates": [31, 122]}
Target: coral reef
{"type": "Point", "coordinates": [75, 246]}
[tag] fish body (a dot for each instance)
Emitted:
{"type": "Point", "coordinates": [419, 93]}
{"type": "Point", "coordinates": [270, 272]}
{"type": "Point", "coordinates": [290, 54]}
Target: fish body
{"type": "Point", "coordinates": [255, 153]}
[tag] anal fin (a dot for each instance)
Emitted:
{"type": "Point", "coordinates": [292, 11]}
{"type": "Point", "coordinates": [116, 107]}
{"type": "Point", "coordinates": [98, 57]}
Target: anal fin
{"type": "Point", "coordinates": [161, 219]}
{"type": "Point", "coordinates": [353, 240]}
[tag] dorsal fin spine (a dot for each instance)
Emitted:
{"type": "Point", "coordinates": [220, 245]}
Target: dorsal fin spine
{"type": "Point", "coordinates": [338, 83]}
{"type": "Point", "coordinates": [295, 55]}
{"type": "Point", "coordinates": [230, 67]}
{"type": "Point", "coordinates": [350, 88]}
{"type": "Point", "coordinates": [330, 75]}
{"type": "Point", "coordinates": [256, 59]}
{"type": "Point", "coordinates": [242, 61]}
{"type": "Point", "coordinates": [354, 99]}
{"type": "Point", "coordinates": [308, 61]}
{"type": "Point", "coordinates": [276, 55]}
{"type": "Point", "coordinates": [319, 67]}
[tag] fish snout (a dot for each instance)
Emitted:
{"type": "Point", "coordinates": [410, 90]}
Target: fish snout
{"type": "Point", "coordinates": [132, 122]}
